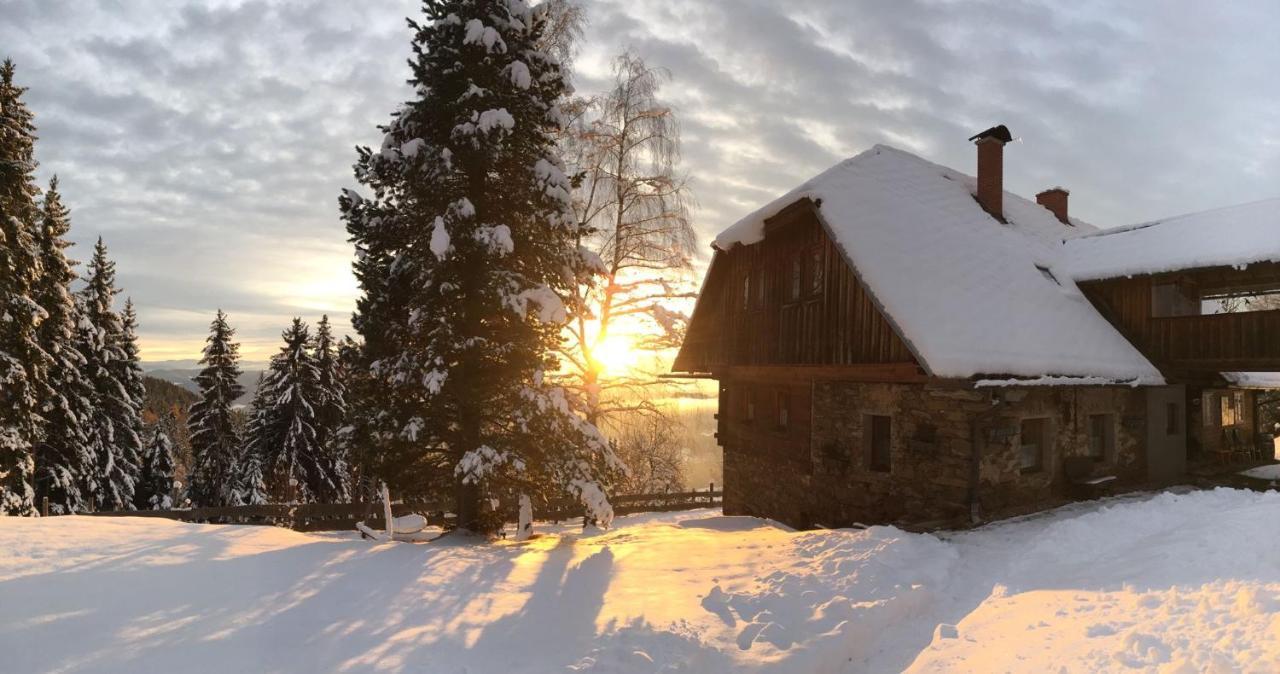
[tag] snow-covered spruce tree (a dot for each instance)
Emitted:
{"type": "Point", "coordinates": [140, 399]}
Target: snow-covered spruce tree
{"type": "Point", "coordinates": [251, 483]}
{"type": "Point", "coordinates": [128, 371]}
{"type": "Point", "coordinates": [358, 438]}
{"type": "Point", "coordinates": [155, 489]}
{"type": "Point", "coordinates": [331, 406]}
{"type": "Point", "coordinates": [64, 457]}
{"type": "Point", "coordinates": [215, 444]}
{"type": "Point", "coordinates": [295, 465]}
{"type": "Point", "coordinates": [24, 366]}
{"type": "Point", "coordinates": [464, 250]}
{"type": "Point", "coordinates": [113, 428]}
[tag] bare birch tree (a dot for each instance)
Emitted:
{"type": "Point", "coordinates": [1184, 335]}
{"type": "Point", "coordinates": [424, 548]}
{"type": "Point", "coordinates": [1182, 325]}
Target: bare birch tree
{"type": "Point", "coordinates": [624, 148]}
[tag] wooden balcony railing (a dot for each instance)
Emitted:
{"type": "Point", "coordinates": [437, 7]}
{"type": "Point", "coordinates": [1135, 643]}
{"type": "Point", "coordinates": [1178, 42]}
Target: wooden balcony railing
{"type": "Point", "coordinates": [1246, 341]}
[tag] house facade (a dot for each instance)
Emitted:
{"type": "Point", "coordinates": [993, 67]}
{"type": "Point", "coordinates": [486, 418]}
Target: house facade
{"type": "Point", "coordinates": [897, 342]}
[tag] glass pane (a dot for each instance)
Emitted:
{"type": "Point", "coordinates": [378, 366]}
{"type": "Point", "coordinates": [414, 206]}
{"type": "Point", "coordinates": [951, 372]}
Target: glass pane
{"type": "Point", "coordinates": [1032, 441]}
{"type": "Point", "coordinates": [1030, 457]}
{"type": "Point", "coordinates": [815, 274]}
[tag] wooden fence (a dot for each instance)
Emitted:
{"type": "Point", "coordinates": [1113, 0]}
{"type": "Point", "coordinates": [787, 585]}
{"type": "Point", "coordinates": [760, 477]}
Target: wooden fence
{"type": "Point", "coordinates": [343, 516]}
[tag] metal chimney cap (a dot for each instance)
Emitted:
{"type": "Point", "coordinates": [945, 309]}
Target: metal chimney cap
{"type": "Point", "coordinates": [1000, 133]}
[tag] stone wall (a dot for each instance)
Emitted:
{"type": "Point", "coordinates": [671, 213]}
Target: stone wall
{"type": "Point", "coordinates": [818, 472]}
{"type": "Point", "coordinates": [767, 470]}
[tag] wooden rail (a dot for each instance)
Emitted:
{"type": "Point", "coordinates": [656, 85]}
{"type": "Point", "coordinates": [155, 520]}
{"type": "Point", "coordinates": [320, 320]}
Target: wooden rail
{"type": "Point", "coordinates": [343, 516]}
{"type": "Point", "coordinates": [1246, 341]}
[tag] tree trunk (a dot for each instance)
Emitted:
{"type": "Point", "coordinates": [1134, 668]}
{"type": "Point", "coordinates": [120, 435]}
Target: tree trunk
{"type": "Point", "coordinates": [467, 496]}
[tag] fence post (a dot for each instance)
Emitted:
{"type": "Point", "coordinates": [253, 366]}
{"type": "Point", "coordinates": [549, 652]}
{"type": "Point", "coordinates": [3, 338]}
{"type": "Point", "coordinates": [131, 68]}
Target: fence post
{"type": "Point", "coordinates": [711, 490]}
{"type": "Point", "coordinates": [44, 507]}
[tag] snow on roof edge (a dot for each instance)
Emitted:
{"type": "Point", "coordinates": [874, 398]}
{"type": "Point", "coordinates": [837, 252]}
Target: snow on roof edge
{"type": "Point", "coordinates": [1120, 229]}
{"type": "Point", "coordinates": [1237, 236]}
{"type": "Point", "coordinates": [1058, 380]}
{"type": "Point", "coordinates": [1267, 381]}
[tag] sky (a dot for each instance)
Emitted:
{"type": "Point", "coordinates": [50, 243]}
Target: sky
{"type": "Point", "coordinates": [207, 142]}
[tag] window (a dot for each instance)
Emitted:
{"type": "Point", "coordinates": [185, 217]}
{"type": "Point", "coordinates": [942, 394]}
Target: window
{"type": "Point", "coordinates": [815, 272]}
{"type": "Point", "coordinates": [1211, 411]}
{"type": "Point", "coordinates": [877, 431]}
{"type": "Point", "coordinates": [749, 406]}
{"type": "Point", "coordinates": [1173, 299]}
{"type": "Point", "coordinates": [1172, 421]}
{"type": "Point", "coordinates": [1102, 436]}
{"type": "Point", "coordinates": [796, 277]}
{"type": "Point", "coordinates": [784, 410]}
{"type": "Point", "coordinates": [1032, 443]}
{"type": "Point", "coordinates": [746, 291]}
{"type": "Point", "coordinates": [1228, 411]}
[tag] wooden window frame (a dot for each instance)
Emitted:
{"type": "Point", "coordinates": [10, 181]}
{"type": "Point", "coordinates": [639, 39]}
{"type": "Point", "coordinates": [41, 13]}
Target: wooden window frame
{"type": "Point", "coordinates": [797, 278]}
{"type": "Point", "coordinates": [872, 461]}
{"type": "Point", "coordinates": [762, 289]}
{"type": "Point", "coordinates": [815, 271]}
{"type": "Point", "coordinates": [1043, 442]}
{"type": "Point", "coordinates": [1108, 439]}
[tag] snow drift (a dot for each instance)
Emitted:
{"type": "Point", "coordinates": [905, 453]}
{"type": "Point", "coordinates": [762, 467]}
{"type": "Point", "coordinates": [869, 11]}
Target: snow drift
{"type": "Point", "coordinates": [1169, 582]}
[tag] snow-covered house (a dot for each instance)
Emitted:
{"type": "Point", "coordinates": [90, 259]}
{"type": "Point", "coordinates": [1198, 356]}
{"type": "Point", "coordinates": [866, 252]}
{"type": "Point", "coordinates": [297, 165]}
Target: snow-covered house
{"type": "Point", "coordinates": [898, 341]}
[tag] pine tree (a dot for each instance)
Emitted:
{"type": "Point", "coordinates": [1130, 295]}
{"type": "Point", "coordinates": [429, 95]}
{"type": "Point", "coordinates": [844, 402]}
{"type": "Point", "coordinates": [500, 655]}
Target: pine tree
{"type": "Point", "coordinates": [155, 489]}
{"type": "Point", "coordinates": [24, 365]}
{"type": "Point", "coordinates": [463, 253]}
{"type": "Point", "coordinates": [113, 428]}
{"type": "Point", "coordinates": [331, 406]}
{"type": "Point", "coordinates": [215, 444]}
{"type": "Point", "coordinates": [295, 463]}
{"type": "Point", "coordinates": [64, 458]}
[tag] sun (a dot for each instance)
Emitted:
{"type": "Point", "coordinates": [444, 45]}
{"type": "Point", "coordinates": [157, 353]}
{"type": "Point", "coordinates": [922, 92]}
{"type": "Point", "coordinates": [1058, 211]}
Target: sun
{"type": "Point", "coordinates": [616, 354]}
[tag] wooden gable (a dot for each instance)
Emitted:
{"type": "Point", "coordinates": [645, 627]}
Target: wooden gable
{"type": "Point", "coordinates": [791, 299]}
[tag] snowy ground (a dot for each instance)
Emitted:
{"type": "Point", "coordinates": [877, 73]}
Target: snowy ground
{"type": "Point", "coordinates": [1166, 583]}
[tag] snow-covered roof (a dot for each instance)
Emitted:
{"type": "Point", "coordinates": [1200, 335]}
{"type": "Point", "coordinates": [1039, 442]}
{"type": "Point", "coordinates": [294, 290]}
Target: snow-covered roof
{"type": "Point", "coordinates": [1235, 235]}
{"type": "Point", "coordinates": [1257, 380]}
{"type": "Point", "coordinates": [971, 295]}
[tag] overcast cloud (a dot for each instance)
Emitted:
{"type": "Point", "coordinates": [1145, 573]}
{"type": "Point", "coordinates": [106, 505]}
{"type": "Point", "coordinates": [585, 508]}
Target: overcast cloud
{"type": "Point", "coordinates": [207, 141]}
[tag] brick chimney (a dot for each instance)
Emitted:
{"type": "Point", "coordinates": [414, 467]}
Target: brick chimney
{"type": "Point", "coordinates": [1055, 199]}
{"type": "Point", "coordinates": [991, 168]}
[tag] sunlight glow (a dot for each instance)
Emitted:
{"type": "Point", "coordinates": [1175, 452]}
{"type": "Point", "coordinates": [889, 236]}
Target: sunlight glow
{"type": "Point", "coordinates": [617, 354]}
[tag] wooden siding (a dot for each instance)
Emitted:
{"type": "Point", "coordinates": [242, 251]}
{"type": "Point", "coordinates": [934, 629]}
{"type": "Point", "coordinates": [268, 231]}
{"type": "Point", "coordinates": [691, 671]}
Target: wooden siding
{"type": "Point", "coordinates": [1197, 344]}
{"type": "Point", "coordinates": [1221, 342]}
{"type": "Point", "coordinates": [789, 300]}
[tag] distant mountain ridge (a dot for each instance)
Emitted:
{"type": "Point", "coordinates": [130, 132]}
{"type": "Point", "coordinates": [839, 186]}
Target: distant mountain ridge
{"type": "Point", "coordinates": [183, 372]}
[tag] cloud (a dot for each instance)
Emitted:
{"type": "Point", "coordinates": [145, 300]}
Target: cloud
{"type": "Point", "coordinates": [207, 144]}
{"type": "Point", "coordinates": [207, 141]}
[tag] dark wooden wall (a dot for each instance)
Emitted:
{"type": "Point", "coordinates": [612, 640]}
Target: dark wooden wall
{"type": "Point", "coordinates": [750, 313]}
{"type": "Point", "coordinates": [1195, 344]}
